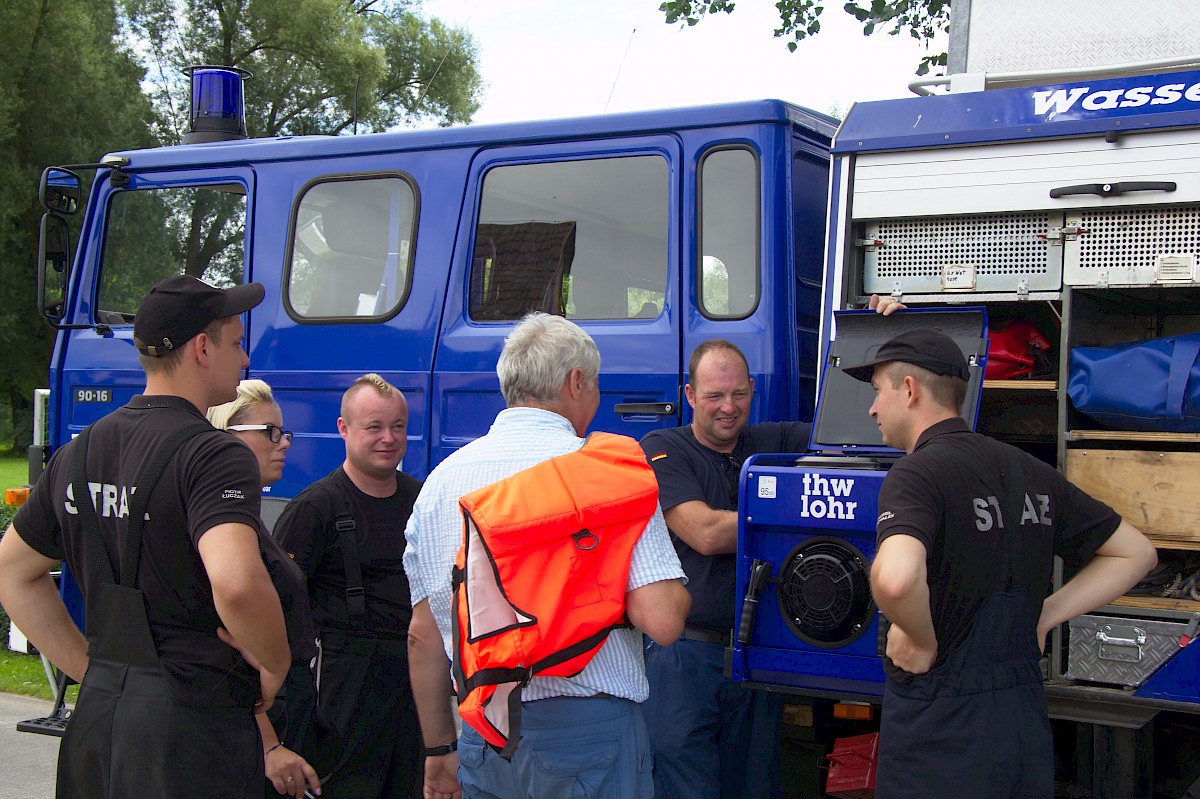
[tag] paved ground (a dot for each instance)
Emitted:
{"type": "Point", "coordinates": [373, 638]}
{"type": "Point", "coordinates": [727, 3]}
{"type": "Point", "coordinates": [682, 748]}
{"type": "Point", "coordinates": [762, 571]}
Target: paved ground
{"type": "Point", "coordinates": [27, 761]}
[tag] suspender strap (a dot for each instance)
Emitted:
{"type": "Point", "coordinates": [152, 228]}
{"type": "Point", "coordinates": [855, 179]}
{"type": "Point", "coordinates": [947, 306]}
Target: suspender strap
{"type": "Point", "coordinates": [131, 554]}
{"type": "Point", "coordinates": [131, 550]}
{"type": "Point", "coordinates": [1011, 547]}
{"type": "Point", "coordinates": [347, 530]}
{"type": "Point", "coordinates": [87, 511]}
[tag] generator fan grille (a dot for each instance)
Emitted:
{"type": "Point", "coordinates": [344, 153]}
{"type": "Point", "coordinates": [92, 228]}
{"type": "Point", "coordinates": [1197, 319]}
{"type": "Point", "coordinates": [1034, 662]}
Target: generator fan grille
{"type": "Point", "coordinates": [824, 592]}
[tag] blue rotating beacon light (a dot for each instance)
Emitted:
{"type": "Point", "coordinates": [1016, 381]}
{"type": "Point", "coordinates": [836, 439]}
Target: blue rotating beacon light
{"type": "Point", "coordinates": [218, 110]}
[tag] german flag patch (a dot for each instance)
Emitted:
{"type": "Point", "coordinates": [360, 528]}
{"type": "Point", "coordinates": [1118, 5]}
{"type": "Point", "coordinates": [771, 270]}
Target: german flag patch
{"type": "Point", "coordinates": [658, 457]}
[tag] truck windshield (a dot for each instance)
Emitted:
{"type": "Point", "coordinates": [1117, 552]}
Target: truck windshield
{"type": "Point", "coordinates": [157, 233]}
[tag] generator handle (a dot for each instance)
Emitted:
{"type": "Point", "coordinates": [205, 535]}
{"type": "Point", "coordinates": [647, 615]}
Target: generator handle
{"type": "Point", "coordinates": [760, 572]}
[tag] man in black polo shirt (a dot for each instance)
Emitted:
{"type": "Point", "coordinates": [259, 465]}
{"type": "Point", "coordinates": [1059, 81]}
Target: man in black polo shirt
{"type": "Point", "coordinates": [346, 531]}
{"type": "Point", "coordinates": [968, 529]}
{"type": "Point", "coordinates": [711, 737]}
{"type": "Point", "coordinates": [167, 707]}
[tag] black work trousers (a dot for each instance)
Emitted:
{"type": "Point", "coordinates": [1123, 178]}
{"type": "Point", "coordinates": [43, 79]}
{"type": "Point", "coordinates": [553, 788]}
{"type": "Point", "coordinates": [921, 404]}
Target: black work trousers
{"type": "Point", "coordinates": [365, 694]}
{"type": "Point", "coordinates": [128, 738]}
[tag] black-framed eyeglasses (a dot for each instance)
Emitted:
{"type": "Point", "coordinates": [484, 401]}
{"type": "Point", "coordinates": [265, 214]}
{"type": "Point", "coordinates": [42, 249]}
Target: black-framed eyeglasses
{"type": "Point", "coordinates": [271, 431]}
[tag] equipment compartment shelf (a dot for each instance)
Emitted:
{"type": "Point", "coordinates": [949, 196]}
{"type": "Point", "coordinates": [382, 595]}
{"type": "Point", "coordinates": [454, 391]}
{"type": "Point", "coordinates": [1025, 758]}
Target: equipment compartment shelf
{"type": "Point", "coordinates": [1130, 435]}
{"type": "Point", "coordinates": [1020, 385]}
{"type": "Point", "coordinates": [1155, 490]}
{"type": "Point", "coordinates": [1157, 603]}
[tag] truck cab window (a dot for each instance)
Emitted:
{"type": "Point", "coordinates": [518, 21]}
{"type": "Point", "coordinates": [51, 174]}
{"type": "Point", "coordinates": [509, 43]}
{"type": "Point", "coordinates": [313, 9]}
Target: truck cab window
{"type": "Point", "coordinates": [351, 249]}
{"type": "Point", "coordinates": [158, 233]}
{"type": "Point", "coordinates": [583, 239]}
{"type": "Point", "coordinates": [728, 268]}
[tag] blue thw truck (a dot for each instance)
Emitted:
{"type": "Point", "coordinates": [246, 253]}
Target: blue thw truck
{"type": "Point", "coordinates": [413, 254]}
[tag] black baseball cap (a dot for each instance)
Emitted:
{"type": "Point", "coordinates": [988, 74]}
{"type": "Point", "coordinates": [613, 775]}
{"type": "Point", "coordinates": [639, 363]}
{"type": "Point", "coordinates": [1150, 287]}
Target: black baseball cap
{"type": "Point", "coordinates": [176, 309]}
{"type": "Point", "coordinates": [922, 347]}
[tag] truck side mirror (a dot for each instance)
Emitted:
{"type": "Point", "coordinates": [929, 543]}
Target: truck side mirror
{"type": "Point", "coordinates": [54, 265]}
{"type": "Point", "coordinates": [59, 190]}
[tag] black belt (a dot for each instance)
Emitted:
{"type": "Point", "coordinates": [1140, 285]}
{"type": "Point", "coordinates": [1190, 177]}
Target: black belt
{"type": "Point", "coordinates": [363, 643]}
{"type": "Point", "coordinates": [704, 636]}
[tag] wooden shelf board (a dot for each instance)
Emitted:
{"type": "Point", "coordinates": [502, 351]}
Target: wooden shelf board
{"type": "Point", "coordinates": [1157, 603]}
{"type": "Point", "coordinates": [1192, 545]}
{"type": "Point", "coordinates": [1021, 385]}
{"type": "Point", "coordinates": [1131, 435]}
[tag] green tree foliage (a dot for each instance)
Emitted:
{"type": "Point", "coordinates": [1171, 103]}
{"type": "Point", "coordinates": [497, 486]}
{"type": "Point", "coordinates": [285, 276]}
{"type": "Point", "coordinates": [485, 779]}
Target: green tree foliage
{"type": "Point", "coordinates": [799, 19]}
{"type": "Point", "coordinates": [313, 62]}
{"type": "Point", "coordinates": [71, 89]}
{"type": "Point", "coordinates": [317, 66]}
{"type": "Point", "coordinates": [68, 91]}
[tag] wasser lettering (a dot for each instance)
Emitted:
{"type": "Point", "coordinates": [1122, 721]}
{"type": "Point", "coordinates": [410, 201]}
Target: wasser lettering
{"type": "Point", "coordinates": [1060, 101]}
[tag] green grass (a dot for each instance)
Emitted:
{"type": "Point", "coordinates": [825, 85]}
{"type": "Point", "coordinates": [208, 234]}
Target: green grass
{"type": "Point", "coordinates": [23, 674]}
{"type": "Point", "coordinates": [14, 471]}
{"type": "Point", "coordinates": [20, 674]}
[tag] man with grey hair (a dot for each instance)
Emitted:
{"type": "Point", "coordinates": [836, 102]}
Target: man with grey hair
{"type": "Point", "coordinates": [345, 532]}
{"type": "Point", "coordinates": [590, 726]}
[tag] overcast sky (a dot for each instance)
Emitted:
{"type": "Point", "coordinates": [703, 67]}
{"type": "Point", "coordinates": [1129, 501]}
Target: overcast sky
{"type": "Point", "coordinates": [554, 58]}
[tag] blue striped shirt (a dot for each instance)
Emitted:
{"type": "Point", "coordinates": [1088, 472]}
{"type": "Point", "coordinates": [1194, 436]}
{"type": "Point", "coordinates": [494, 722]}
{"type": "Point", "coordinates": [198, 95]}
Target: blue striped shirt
{"type": "Point", "coordinates": [518, 439]}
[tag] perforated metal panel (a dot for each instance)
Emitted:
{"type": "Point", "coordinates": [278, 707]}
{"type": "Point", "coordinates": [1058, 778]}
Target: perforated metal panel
{"type": "Point", "coordinates": [992, 253]}
{"type": "Point", "coordinates": [1133, 246]}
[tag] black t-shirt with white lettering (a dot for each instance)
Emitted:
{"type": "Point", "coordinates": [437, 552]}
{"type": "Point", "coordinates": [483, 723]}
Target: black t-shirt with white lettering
{"type": "Point", "coordinates": [306, 530]}
{"type": "Point", "coordinates": [687, 470]}
{"type": "Point", "coordinates": [213, 479]}
{"type": "Point", "coordinates": [960, 514]}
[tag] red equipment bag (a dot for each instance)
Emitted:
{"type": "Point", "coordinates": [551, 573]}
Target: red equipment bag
{"type": "Point", "coordinates": [540, 579]}
{"type": "Point", "coordinates": [1017, 349]}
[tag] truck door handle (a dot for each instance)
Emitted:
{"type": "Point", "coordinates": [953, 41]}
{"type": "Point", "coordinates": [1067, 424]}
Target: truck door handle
{"type": "Point", "coordinates": [1114, 189]}
{"type": "Point", "coordinates": [652, 408]}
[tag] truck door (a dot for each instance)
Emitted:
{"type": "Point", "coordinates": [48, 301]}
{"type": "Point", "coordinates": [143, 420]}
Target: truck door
{"type": "Point", "coordinates": [588, 230]}
{"type": "Point", "coordinates": [154, 226]}
{"type": "Point", "coordinates": [343, 299]}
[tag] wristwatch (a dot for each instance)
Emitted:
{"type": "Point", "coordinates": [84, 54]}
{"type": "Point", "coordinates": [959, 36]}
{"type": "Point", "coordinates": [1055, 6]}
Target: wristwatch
{"type": "Point", "coordinates": [438, 751]}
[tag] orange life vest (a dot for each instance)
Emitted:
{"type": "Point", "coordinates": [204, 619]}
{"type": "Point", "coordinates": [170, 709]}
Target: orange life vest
{"type": "Point", "coordinates": [540, 579]}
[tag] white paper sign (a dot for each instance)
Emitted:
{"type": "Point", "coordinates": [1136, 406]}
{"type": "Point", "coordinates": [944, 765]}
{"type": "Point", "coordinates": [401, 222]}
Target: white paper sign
{"type": "Point", "coordinates": [766, 487]}
{"type": "Point", "coordinates": [958, 277]}
{"type": "Point", "coordinates": [1176, 267]}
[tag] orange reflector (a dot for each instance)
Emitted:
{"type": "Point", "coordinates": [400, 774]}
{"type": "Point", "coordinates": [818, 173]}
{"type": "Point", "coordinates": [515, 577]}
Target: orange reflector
{"type": "Point", "coordinates": [844, 710]}
{"type": "Point", "coordinates": [16, 496]}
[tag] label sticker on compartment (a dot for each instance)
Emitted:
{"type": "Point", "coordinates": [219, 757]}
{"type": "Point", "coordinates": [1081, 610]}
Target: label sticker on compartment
{"type": "Point", "coordinates": [958, 277]}
{"type": "Point", "coordinates": [766, 487]}
{"type": "Point", "coordinates": [1175, 267]}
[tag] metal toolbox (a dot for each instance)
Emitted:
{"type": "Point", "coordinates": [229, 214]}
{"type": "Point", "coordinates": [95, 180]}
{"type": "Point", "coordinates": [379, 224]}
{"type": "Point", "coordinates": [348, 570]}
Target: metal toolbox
{"type": "Point", "coordinates": [1120, 650]}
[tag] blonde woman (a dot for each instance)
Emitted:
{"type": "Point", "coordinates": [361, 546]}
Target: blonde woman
{"type": "Point", "coordinates": [255, 418]}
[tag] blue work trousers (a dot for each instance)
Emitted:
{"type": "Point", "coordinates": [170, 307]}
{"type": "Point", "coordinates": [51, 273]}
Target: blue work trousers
{"type": "Point", "coordinates": [711, 737]}
{"type": "Point", "coordinates": [570, 748]}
